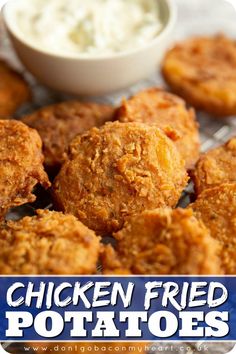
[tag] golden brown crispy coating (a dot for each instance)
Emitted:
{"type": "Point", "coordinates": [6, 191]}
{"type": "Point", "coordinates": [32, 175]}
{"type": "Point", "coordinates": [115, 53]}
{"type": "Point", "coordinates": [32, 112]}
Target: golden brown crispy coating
{"type": "Point", "coordinates": [60, 123]}
{"type": "Point", "coordinates": [216, 207]}
{"type": "Point", "coordinates": [165, 110]}
{"type": "Point", "coordinates": [49, 243]}
{"type": "Point", "coordinates": [93, 347]}
{"type": "Point", "coordinates": [163, 241]}
{"type": "Point", "coordinates": [14, 91]}
{"type": "Point", "coordinates": [116, 171]}
{"type": "Point", "coordinates": [203, 71]}
{"type": "Point", "coordinates": [216, 167]}
{"type": "Point", "coordinates": [21, 164]}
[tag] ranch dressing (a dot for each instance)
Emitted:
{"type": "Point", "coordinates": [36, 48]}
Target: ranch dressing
{"type": "Point", "coordinates": [88, 27]}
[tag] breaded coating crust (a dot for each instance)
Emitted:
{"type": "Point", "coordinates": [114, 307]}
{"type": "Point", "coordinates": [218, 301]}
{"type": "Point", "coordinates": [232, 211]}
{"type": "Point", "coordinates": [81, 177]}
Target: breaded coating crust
{"type": "Point", "coordinates": [93, 347]}
{"type": "Point", "coordinates": [116, 171]}
{"type": "Point", "coordinates": [216, 167]}
{"type": "Point", "coordinates": [14, 91]}
{"type": "Point", "coordinates": [203, 71]}
{"type": "Point", "coordinates": [21, 164]}
{"type": "Point", "coordinates": [216, 207]}
{"type": "Point", "coordinates": [49, 243]}
{"type": "Point", "coordinates": [165, 110]}
{"type": "Point", "coordinates": [58, 124]}
{"type": "Point", "coordinates": [160, 242]}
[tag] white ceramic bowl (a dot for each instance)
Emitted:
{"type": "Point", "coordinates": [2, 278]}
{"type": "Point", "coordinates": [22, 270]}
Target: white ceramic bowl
{"type": "Point", "coordinates": [92, 76]}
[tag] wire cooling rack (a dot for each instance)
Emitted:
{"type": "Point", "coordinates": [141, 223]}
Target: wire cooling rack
{"type": "Point", "coordinates": [194, 17]}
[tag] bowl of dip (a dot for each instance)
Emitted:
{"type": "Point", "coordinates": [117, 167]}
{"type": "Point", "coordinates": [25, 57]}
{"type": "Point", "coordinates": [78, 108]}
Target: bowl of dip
{"type": "Point", "coordinates": [91, 47]}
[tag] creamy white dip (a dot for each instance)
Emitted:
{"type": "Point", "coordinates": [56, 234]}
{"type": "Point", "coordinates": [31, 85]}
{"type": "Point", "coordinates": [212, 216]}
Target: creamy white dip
{"type": "Point", "coordinates": [88, 27]}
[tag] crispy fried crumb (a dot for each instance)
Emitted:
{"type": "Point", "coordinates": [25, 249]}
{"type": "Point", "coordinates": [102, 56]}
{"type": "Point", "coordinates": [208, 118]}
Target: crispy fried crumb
{"type": "Point", "coordinates": [58, 124]}
{"type": "Point", "coordinates": [163, 241]}
{"type": "Point", "coordinates": [216, 207]}
{"type": "Point", "coordinates": [203, 71]}
{"type": "Point", "coordinates": [167, 111]}
{"type": "Point", "coordinates": [119, 170]}
{"type": "Point", "coordinates": [21, 164]}
{"type": "Point", "coordinates": [48, 243]}
{"type": "Point", "coordinates": [14, 91]}
{"type": "Point", "coordinates": [216, 167]}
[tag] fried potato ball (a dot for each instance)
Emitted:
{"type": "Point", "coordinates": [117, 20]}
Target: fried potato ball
{"type": "Point", "coordinates": [21, 164]}
{"type": "Point", "coordinates": [93, 347]}
{"type": "Point", "coordinates": [165, 110]}
{"type": "Point", "coordinates": [216, 167]}
{"type": "Point", "coordinates": [216, 207]}
{"type": "Point", "coordinates": [116, 171]}
{"type": "Point", "coordinates": [161, 242]}
{"type": "Point", "coordinates": [203, 71]}
{"type": "Point", "coordinates": [14, 91]}
{"type": "Point", "coordinates": [48, 243]}
{"type": "Point", "coordinates": [58, 124]}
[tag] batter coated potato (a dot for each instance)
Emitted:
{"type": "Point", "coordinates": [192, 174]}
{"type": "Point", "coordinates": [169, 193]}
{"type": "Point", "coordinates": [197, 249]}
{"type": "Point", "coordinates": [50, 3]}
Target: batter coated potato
{"type": "Point", "coordinates": [163, 242]}
{"type": "Point", "coordinates": [21, 164]}
{"type": "Point", "coordinates": [216, 167]}
{"type": "Point", "coordinates": [165, 110]}
{"type": "Point", "coordinates": [203, 71]}
{"type": "Point", "coordinates": [216, 207]}
{"type": "Point", "coordinates": [58, 124]}
{"type": "Point", "coordinates": [14, 91]}
{"type": "Point", "coordinates": [119, 170]}
{"type": "Point", "coordinates": [48, 243]}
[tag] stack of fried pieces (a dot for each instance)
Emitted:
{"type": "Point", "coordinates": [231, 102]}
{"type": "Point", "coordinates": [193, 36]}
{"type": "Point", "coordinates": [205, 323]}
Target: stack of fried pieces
{"type": "Point", "coordinates": [120, 172]}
